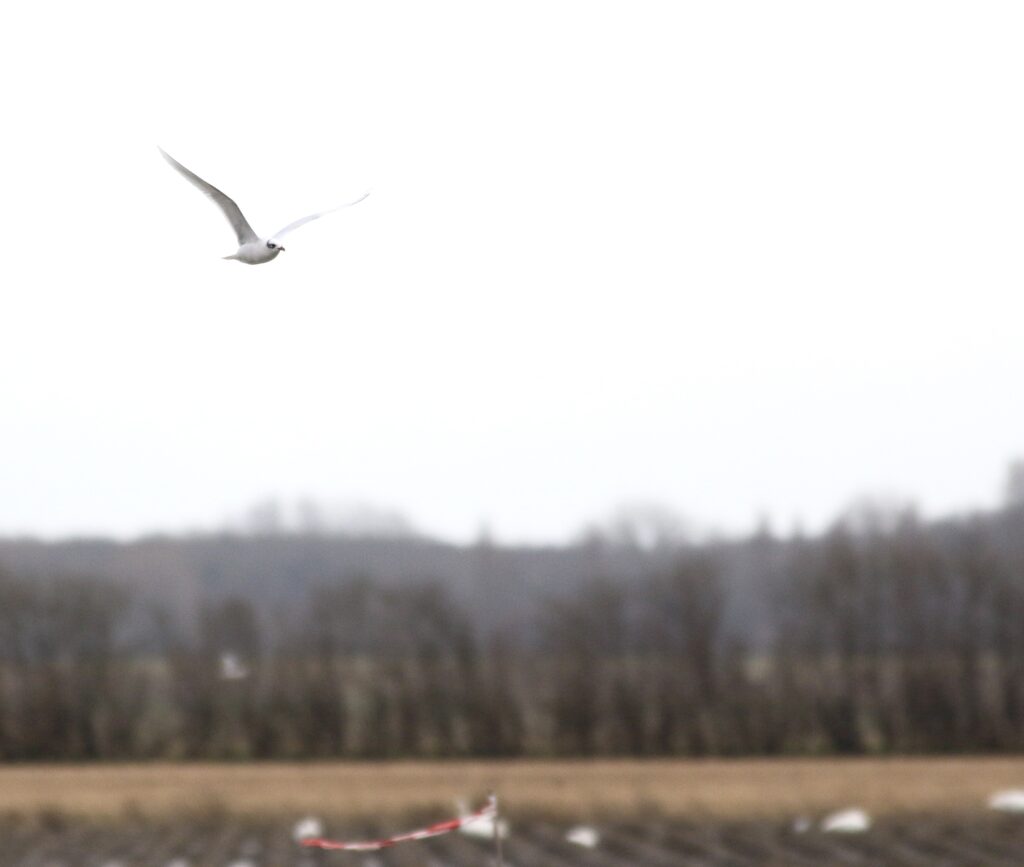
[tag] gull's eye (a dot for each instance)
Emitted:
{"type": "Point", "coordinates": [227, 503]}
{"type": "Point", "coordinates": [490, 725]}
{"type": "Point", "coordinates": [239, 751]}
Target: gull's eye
{"type": "Point", "coordinates": [272, 245]}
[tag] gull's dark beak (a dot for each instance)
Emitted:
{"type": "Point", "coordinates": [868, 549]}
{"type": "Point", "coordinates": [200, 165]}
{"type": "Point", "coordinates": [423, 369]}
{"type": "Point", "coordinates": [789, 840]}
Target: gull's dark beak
{"type": "Point", "coordinates": [280, 249]}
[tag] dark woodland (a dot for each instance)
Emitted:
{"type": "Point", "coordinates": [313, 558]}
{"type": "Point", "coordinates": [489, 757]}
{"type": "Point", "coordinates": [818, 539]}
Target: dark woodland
{"type": "Point", "coordinates": [885, 634]}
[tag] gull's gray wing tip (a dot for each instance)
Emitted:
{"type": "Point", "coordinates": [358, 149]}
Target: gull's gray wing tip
{"type": "Point", "coordinates": [234, 214]}
{"type": "Point", "coordinates": [171, 160]}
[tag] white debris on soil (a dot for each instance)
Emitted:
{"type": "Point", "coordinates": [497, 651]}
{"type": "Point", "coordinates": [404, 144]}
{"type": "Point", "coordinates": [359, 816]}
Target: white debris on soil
{"type": "Point", "coordinates": [1007, 801]}
{"type": "Point", "coordinates": [851, 821]}
{"type": "Point", "coordinates": [583, 835]}
{"type": "Point", "coordinates": [483, 827]}
{"type": "Point", "coordinates": [307, 829]}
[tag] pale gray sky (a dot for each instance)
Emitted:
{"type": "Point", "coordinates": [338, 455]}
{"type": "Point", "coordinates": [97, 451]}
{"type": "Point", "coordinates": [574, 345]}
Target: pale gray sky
{"type": "Point", "coordinates": [736, 258]}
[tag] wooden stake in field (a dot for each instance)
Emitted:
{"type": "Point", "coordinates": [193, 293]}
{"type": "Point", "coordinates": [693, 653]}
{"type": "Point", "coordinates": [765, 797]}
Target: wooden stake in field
{"type": "Point", "coordinates": [497, 831]}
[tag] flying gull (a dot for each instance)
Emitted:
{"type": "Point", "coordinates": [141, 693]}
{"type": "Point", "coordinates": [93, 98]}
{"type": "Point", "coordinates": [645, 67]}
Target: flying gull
{"type": "Point", "coordinates": [252, 249]}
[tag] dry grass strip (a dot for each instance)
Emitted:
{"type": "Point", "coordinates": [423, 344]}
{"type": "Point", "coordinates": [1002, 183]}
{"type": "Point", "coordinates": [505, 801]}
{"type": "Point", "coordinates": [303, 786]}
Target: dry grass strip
{"type": "Point", "coordinates": [695, 789]}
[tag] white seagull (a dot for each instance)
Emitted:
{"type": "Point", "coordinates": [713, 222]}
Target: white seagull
{"type": "Point", "coordinates": [252, 249]}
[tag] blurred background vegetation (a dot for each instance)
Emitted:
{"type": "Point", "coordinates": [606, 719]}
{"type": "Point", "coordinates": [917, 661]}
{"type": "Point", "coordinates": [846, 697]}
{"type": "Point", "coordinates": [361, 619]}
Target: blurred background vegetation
{"type": "Point", "coordinates": [886, 634]}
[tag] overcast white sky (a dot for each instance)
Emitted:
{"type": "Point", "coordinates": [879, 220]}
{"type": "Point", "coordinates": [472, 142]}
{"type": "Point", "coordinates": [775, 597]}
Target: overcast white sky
{"type": "Point", "coordinates": [736, 258]}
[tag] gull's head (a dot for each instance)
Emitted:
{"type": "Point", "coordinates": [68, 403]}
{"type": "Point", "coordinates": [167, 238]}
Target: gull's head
{"type": "Point", "coordinates": [274, 247]}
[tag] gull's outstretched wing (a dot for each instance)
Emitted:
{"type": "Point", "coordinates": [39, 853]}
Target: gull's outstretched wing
{"type": "Point", "coordinates": [291, 227]}
{"type": "Point", "coordinates": [241, 226]}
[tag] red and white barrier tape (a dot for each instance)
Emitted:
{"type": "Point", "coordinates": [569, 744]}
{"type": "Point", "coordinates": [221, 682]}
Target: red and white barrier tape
{"type": "Point", "coordinates": [489, 811]}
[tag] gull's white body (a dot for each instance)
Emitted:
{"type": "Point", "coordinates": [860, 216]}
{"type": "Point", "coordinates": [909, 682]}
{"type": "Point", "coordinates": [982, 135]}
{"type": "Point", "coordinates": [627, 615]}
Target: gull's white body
{"type": "Point", "coordinates": [255, 253]}
{"type": "Point", "coordinates": [252, 249]}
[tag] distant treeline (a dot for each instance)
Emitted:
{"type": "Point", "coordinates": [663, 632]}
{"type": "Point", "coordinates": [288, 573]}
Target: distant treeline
{"type": "Point", "coordinates": [884, 635]}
